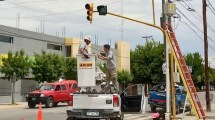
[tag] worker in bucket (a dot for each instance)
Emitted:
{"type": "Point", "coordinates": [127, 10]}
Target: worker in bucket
{"type": "Point", "coordinates": [83, 49]}
{"type": "Point", "coordinates": [111, 74]}
{"type": "Point", "coordinates": [83, 46]}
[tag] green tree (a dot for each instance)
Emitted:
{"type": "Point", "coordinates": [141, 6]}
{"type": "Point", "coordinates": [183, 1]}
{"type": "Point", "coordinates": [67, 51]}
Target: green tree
{"type": "Point", "coordinates": [124, 77]}
{"type": "Point", "coordinates": [15, 67]}
{"type": "Point", "coordinates": [196, 62]}
{"type": "Point", "coordinates": [103, 67]}
{"type": "Point", "coordinates": [146, 62]}
{"type": "Point", "coordinates": [48, 67]}
{"type": "Point", "coordinates": [212, 76]}
{"type": "Point", "coordinates": [70, 72]}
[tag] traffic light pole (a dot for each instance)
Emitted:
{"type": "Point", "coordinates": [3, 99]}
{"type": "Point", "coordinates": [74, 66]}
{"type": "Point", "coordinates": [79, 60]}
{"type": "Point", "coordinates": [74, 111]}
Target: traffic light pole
{"type": "Point", "coordinates": [138, 21]}
{"type": "Point", "coordinates": [167, 114]}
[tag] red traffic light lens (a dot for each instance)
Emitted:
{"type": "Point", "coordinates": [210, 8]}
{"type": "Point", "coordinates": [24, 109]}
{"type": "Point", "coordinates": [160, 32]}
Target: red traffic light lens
{"type": "Point", "coordinates": [87, 6]}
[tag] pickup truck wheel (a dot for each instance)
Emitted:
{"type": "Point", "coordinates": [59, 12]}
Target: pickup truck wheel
{"type": "Point", "coordinates": [178, 109]}
{"type": "Point", "coordinates": [118, 118]}
{"type": "Point", "coordinates": [71, 118]}
{"type": "Point", "coordinates": [55, 104]}
{"type": "Point", "coordinates": [49, 102]}
{"type": "Point", "coordinates": [31, 104]}
{"type": "Point", "coordinates": [153, 108]}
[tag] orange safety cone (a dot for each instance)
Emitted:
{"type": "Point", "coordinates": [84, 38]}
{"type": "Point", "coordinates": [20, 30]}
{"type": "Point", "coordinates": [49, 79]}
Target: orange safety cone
{"type": "Point", "coordinates": [40, 114]}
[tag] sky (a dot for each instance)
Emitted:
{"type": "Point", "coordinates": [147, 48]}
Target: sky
{"type": "Point", "coordinates": [71, 14]}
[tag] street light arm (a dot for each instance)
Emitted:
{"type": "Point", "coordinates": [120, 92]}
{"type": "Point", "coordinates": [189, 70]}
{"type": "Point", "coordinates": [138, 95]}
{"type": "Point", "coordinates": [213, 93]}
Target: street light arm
{"type": "Point", "coordinates": [148, 24]}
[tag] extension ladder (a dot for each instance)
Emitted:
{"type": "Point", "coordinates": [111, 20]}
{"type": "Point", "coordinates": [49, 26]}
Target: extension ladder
{"type": "Point", "coordinates": [185, 74]}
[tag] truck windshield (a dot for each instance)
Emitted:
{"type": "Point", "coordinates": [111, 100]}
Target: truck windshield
{"type": "Point", "coordinates": [47, 87]}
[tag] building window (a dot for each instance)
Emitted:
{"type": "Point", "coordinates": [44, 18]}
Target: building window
{"type": "Point", "coordinates": [6, 39]}
{"type": "Point", "coordinates": [68, 51]}
{"type": "Point", "coordinates": [54, 47]}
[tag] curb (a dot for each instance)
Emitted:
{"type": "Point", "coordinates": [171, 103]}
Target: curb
{"type": "Point", "coordinates": [8, 106]}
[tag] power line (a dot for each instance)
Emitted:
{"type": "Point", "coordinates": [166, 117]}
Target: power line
{"type": "Point", "coordinates": [54, 14]}
{"type": "Point", "coordinates": [196, 33]}
{"type": "Point", "coordinates": [194, 24]}
{"type": "Point", "coordinates": [199, 17]}
{"type": "Point", "coordinates": [211, 7]}
{"type": "Point", "coordinates": [15, 3]}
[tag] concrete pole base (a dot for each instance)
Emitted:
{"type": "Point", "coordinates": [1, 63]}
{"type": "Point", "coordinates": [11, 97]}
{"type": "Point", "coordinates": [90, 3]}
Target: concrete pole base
{"type": "Point", "coordinates": [167, 116]}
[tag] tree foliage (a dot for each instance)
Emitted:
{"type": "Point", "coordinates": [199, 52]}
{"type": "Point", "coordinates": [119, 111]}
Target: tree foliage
{"type": "Point", "coordinates": [15, 67]}
{"type": "Point", "coordinates": [146, 62]}
{"type": "Point", "coordinates": [196, 62]}
{"type": "Point", "coordinates": [18, 64]}
{"type": "Point", "coordinates": [70, 69]}
{"type": "Point", "coordinates": [212, 76]}
{"type": "Point", "coordinates": [103, 67]}
{"type": "Point", "coordinates": [124, 76]}
{"type": "Point", "coordinates": [48, 67]}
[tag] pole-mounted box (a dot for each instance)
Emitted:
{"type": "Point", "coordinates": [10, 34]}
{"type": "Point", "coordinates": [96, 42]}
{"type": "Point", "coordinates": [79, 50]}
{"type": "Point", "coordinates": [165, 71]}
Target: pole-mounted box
{"type": "Point", "coordinates": [169, 9]}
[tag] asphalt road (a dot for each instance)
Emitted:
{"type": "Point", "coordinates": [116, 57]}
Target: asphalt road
{"type": "Point", "coordinates": [59, 113]}
{"type": "Point", "coordinates": [56, 113]}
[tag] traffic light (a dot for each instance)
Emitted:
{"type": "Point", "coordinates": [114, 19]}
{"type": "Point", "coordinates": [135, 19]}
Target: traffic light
{"type": "Point", "coordinates": [89, 8]}
{"type": "Point", "coordinates": [102, 10]}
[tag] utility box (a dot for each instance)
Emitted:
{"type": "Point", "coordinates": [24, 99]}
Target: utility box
{"type": "Point", "coordinates": [169, 9]}
{"type": "Point", "coordinates": [176, 77]}
{"type": "Point", "coordinates": [86, 71]}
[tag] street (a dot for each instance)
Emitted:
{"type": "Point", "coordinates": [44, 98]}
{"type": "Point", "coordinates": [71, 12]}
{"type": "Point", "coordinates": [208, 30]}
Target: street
{"type": "Point", "coordinates": [59, 113]}
{"type": "Point", "coordinates": [56, 113]}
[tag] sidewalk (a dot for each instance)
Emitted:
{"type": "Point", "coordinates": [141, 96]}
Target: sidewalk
{"type": "Point", "coordinates": [9, 106]}
{"type": "Point", "coordinates": [209, 115]}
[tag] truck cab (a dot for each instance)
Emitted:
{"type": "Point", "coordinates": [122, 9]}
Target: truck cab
{"type": "Point", "coordinates": [51, 94]}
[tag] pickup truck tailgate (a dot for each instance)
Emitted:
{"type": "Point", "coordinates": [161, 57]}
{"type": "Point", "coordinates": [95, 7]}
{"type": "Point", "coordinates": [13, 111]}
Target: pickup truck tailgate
{"type": "Point", "coordinates": [93, 101]}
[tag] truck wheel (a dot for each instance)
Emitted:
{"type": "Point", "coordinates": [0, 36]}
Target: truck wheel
{"type": "Point", "coordinates": [153, 108]}
{"type": "Point", "coordinates": [55, 104]}
{"type": "Point", "coordinates": [31, 104]}
{"type": "Point", "coordinates": [71, 118]}
{"type": "Point", "coordinates": [49, 102]}
{"type": "Point", "coordinates": [118, 118]}
{"type": "Point", "coordinates": [178, 109]}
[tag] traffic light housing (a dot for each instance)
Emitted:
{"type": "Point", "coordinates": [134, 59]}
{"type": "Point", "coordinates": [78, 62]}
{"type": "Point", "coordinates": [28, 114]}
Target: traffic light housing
{"type": "Point", "coordinates": [89, 8]}
{"type": "Point", "coordinates": [102, 10]}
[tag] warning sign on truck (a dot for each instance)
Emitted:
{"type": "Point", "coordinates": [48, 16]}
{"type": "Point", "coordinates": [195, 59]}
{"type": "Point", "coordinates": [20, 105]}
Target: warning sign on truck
{"type": "Point", "coordinates": [85, 65]}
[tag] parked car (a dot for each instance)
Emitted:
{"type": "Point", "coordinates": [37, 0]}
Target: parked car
{"type": "Point", "coordinates": [157, 97]}
{"type": "Point", "coordinates": [51, 94]}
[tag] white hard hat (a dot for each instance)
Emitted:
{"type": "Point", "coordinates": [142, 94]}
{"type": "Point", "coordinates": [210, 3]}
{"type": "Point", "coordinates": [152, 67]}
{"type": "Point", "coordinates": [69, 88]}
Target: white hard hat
{"type": "Point", "coordinates": [87, 38]}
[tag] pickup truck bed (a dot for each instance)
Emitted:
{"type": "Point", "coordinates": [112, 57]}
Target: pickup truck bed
{"type": "Point", "coordinates": [97, 105]}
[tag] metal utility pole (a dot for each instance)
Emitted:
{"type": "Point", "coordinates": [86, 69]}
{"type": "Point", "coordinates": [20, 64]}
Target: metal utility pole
{"type": "Point", "coordinates": [153, 10]}
{"type": "Point", "coordinates": [173, 89]}
{"type": "Point", "coordinates": [162, 23]}
{"type": "Point", "coordinates": [207, 82]}
{"type": "Point", "coordinates": [122, 21]}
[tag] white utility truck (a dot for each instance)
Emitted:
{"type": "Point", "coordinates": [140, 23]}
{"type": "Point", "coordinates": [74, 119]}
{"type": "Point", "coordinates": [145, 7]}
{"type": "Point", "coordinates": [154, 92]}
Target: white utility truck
{"type": "Point", "coordinates": [98, 105]}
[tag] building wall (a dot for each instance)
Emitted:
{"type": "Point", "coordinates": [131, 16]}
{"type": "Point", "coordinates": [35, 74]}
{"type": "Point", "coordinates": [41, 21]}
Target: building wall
{"type": "Point", "coordinates": [31, 42]}
{"type": "Point", "coordinates": [96, 49]}
{"type": "Point", "coordinates": [123, 50]}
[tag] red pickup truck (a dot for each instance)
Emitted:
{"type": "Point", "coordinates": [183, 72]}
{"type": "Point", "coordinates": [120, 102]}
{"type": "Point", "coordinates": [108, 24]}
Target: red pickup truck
{"type": "Point", "coordinates": [51, 94]}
